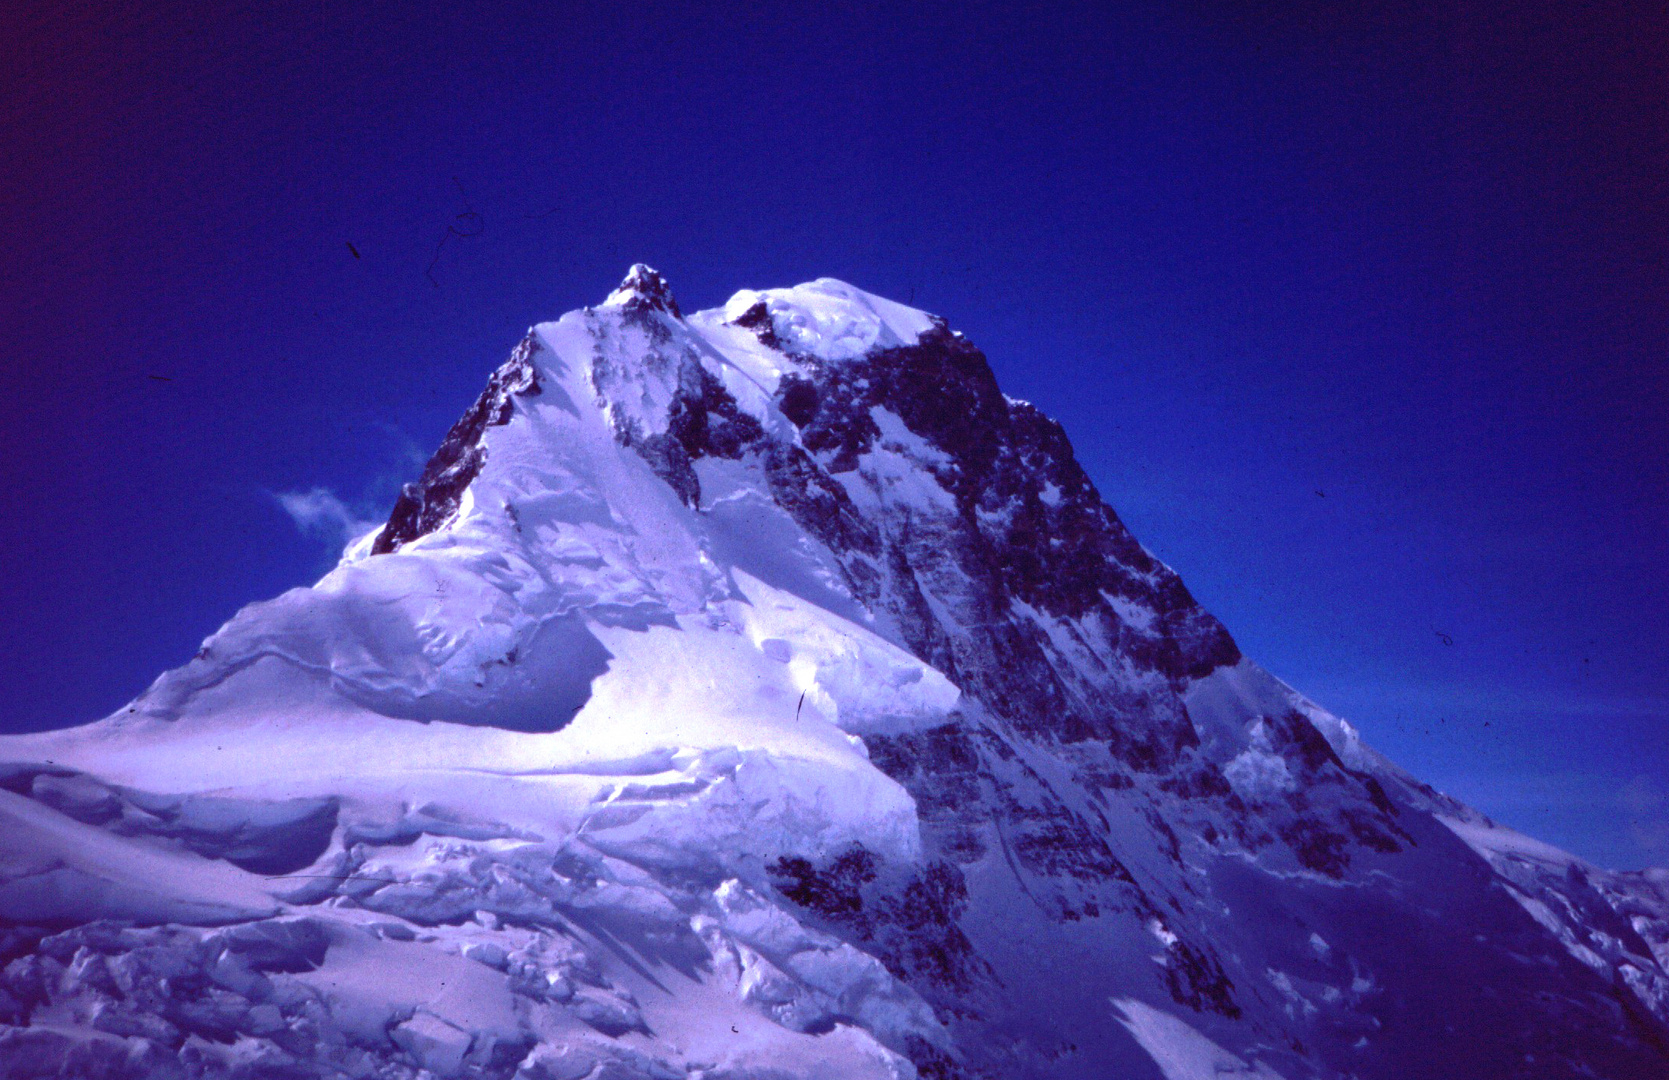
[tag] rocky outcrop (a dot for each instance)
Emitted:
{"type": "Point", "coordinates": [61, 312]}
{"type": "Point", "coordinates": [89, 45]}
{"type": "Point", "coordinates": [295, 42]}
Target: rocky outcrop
{"type": "Point", "coordinates": [432, 502]}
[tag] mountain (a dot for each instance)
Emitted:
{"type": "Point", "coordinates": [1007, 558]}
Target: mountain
{"type": "Point", "coordinates": [760, 693]}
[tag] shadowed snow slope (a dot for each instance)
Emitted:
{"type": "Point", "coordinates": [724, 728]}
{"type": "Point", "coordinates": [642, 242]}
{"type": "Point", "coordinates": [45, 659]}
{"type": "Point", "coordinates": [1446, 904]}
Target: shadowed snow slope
{"type": "Point", "coordinates": [762, 693]}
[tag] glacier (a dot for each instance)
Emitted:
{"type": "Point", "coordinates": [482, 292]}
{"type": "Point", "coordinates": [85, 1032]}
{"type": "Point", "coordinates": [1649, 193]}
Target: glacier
{"type": "Point", "coordinates": [761, 693]}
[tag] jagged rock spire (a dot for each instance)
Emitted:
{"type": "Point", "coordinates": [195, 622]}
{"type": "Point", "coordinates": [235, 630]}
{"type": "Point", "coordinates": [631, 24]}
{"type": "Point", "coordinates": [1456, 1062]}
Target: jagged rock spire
{"type": "Point", "coordinates": [644, 289]}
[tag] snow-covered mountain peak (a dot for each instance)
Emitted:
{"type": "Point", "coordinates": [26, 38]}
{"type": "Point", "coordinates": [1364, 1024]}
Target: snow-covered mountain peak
{"type": "Point", "coordinates": [763, 693]}
{"type": "Point", "coordinates": [643, 288]}
{"type": "Point", "coordinates": [826, 318]}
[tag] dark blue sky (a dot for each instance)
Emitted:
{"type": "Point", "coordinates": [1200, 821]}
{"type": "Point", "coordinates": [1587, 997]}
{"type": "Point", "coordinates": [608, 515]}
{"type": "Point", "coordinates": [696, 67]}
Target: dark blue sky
{"type": "Point", "coordinates": [1358, 313]}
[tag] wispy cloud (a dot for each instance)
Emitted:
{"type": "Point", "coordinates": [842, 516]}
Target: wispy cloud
{"type": "Point", "coordinates": [318, 512]}
{"type": "Point", "coordinates": [390, 458]}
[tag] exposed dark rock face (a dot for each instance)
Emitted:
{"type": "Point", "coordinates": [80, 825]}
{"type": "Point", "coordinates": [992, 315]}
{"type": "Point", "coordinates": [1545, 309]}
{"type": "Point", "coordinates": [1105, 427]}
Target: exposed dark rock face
{"type": "Point", "coordinates": [703, 422]}
{"type": "Point", "coordinates": [706, 420]}
{"type": "Point", "coordinates": [1196, 979]}
{"type": "Point", "coordinates": [910, 923]}
{"type": "Point", "coordinates": [943, 769]}
{"type": "Point", "coordinates": [758, 319]}
{"type": "Point", "coordinates": [671, 462]}
{"type": "Point", "coordinates": [432, 501]}
{"type": "Point", "coordinates": [1028, 529]}
{"type": "Point", "coordinates": [1032, 526]}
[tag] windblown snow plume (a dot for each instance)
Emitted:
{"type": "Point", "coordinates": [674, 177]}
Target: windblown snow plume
{"type": "Point", "coordinates": [760, 693]}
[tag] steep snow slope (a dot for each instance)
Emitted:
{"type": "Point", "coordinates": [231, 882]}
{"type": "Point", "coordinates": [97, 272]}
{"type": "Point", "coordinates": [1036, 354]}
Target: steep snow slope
{"type": "Point", "coordinates": [761, 693]}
